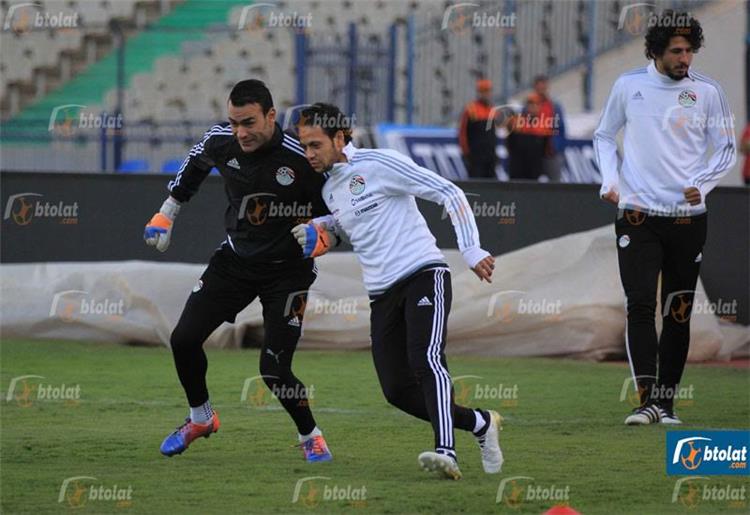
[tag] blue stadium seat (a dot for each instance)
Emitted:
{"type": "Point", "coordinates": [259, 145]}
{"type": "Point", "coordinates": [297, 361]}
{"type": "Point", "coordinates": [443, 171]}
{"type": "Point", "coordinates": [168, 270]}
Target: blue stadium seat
{"type": "Point", "coordinates": [171, 166]}
{"type": "Point", "coordinates": [134, 166]}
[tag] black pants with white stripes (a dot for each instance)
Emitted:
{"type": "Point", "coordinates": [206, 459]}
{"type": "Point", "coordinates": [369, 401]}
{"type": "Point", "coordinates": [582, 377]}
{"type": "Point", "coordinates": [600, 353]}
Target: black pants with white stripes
{"type": "Point", "coordinates": [226, 287]}
{"type": "Point", "coordinates": [646, 246]}
{"type": "Point", "coordinates": [408, 327]}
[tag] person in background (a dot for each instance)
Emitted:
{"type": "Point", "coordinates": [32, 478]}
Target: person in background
{"type": "Point", "coordinates": [524, 142]}
{"type": "Point", "coordinates": [552, 127]}
{"type": "Point", "coordinates": [476, 134]}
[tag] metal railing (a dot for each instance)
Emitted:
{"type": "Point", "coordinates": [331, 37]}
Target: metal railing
{"type": "Point", "coordinates": [354, 71]}
{"type": "Point", "coordinates": [512, 42]}
{"type": "Point", "coordinates": [421, 72]}
{"type": "Point", "coordinates": [69, 147]}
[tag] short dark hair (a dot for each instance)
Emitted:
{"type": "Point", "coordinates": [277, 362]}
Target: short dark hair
{"type": "Point", "coordinates": [666, 26]}
{"type": "Point", "coordinates": [251, 91]}
{"type": "Point", "coordinates": [329, 118]}
{"type": "Point", "coordinates": [540, 78]}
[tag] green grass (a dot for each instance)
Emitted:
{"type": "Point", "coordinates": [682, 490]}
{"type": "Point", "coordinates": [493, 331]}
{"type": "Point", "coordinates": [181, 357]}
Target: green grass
{"type": "Point", "coordinates": [564, 429]}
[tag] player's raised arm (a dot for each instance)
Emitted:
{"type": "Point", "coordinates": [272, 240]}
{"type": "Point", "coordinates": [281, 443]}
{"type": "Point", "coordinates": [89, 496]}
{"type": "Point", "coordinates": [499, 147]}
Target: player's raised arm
{"type": "Point", "coordinates": [197, 165]}
{"type": "Point", "coordinates": [404, 176]}
{"type": "Point", "coordinates": [193, 171]}
{"type": "Point", "coordinates": [605, 144]}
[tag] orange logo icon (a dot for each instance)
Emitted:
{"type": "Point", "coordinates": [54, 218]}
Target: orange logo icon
{"type": "Point", "coordinates": [636, 22]}
{"type": "Point", "coordinates": [462, 392]}
{"type": "Point", "coordinates": [635, 216]}
{"type": "Point", "coordinates": [681, 314]}
{"type": "Point", "coordinates": [259, 213]}
{"type": "Point", "coordinates": [76, 498]}
{"type": "Point", "coordinates": [515, 498]}
{"type": "Point", "coordinates": [692, 461]}
{"type": "Point", "coordinates": [691, 498]}
{"type": "Point", "coordinates": [23, 215]}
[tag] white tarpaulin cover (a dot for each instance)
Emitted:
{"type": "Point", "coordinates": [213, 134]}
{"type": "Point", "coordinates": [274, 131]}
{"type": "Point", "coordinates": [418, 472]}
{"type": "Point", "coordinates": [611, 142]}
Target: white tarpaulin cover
{"type": "Point", "coordinates": [557, 297]}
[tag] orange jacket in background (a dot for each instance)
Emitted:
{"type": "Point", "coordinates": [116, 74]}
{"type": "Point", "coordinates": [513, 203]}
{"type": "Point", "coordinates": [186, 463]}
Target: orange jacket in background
{"type": "Point", "coordinates": [475, 134]}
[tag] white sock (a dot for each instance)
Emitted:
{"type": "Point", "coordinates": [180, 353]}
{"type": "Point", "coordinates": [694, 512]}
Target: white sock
{"type": "Point", "coordinates": [479, 421]}
{"type": "Point", "coordinates": [315, 432]}
{"type": "Point", "coordinates": [201, 414]}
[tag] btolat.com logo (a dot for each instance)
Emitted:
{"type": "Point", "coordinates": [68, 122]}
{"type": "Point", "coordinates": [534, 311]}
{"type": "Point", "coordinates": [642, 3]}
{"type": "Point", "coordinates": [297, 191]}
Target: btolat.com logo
{"type": "Point", "coordinates": [517, 492]}
{"type": "Point", "coordinates": [79, 305]}
{"type": "Point", "coordinates": [632, 392]}
{"type": "Point", "coordinates": [471, 388]}
{"type": "Point", "coordinates": [459, 18]}
{"type": "Point", "coordinates": [30, 16]}
{"type": "Point", "coordinates": [637, 18]}
{"type": "Point", "coordinates": [507, 305]}
{"type": "Point", "coordinates": [23, 208]}
{"type": "Point", "coordinates": [257, 391]}
{"type": "Point", "coordinates": [693, 491]}
{"type": "Point", "coordinates": [77, 491]}
{"type": "Point", "coordinates": [70, 120]}
{"type": "Point", "coordinates": [27, 390]}
{"type": "Point", "coordinates": [310, 491]}
{"type": "Point", "coordinates": [707, 452]}
{"type": "Point", "coordinates": [258, 208]}
{"type": "Point", "coordinates": [504, 213]}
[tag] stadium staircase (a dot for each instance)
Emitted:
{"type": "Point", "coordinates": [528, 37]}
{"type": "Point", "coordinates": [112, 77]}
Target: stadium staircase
{"type": "Point", "coordinates": [186, 22]}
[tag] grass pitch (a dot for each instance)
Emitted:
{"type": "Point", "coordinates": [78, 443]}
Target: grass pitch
{"type": "Point", "coordinates": [81, 434]}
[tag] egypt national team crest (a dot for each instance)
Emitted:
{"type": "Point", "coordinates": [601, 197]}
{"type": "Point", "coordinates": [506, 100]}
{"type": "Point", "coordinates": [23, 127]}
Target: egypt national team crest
{"type": "Point", "coordinates": [357, 185]}
{"type": "Point", "coordinates": [285, 176]}
{"type": "Point", "coordinates": [687, 98]}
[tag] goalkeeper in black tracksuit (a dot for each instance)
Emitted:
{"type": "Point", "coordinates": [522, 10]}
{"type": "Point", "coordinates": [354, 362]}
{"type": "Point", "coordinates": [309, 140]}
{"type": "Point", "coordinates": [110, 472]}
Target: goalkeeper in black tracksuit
{"type": "Point", "coordinates": [270, 188]}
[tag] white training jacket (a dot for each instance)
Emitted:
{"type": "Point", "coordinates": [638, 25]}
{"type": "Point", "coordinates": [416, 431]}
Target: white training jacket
{"type": "Point", "coordinates": [371, 199]}
{"type": "Point", "coordinates": [668, 127]}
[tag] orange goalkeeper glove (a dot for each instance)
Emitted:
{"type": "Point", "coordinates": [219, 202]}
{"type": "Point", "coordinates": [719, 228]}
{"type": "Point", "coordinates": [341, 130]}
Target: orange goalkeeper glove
{"type": "Point", "coordinates": [159, 229]}
{"type": "Point", "coordinates": [315, 239]}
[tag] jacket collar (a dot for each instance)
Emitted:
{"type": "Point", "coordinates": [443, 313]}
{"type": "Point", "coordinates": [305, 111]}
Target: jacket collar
{"type": "Point", "coordinates": [349, 151]}
{"type": "Point", "coordinates": [664, 79]}
{"type": "Point", "coordinates": [272, 144]}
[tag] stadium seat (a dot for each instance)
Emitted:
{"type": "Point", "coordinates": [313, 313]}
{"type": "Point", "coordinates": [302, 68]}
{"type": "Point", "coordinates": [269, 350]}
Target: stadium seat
{"type": "Point", "coordinates": [185, 84]}
{"type": "Point", "coordinates": [134, 166]}
{"type": "Point", "coordinates": [171, 166]}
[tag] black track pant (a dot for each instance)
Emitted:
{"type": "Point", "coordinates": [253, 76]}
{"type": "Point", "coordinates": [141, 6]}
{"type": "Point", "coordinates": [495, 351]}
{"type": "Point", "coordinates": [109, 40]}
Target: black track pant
{"type": "Point", "coordinates": [408, 326]}
{"type": "Point", "coordinates": [481, 166]}
{"type": "Point", "coordinates": [226, 287]}
{"type": "Point", "coordinates": [646, 246]}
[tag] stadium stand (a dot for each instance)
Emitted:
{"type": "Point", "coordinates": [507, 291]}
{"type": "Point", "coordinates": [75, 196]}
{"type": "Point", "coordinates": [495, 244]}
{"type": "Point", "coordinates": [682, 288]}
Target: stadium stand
{"type": "Point", "coordinates": [181, 58]}
{"type": "Point", "coordinates": [186, 21]}
{"type": "Point", "coordinates": [48, 42]}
